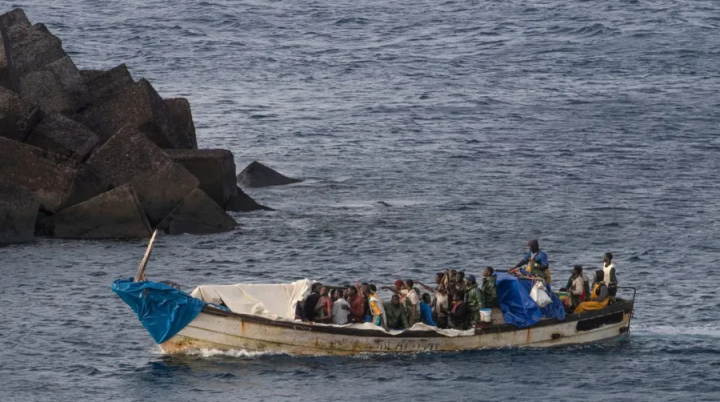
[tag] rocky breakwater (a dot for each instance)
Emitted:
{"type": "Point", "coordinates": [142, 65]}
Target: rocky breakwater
{"type": "Point", "coordinates": [97, 154]}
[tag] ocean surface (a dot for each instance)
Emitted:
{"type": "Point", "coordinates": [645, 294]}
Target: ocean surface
{"type": "Point", "coordinates": [431, 135]}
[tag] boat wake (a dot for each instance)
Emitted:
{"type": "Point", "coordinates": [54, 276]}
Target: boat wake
{"type": "Point", "coordinates": [712, 331]}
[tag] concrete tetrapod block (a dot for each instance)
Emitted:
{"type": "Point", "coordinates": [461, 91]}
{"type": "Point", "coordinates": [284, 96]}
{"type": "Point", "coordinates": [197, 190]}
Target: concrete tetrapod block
{"type": "Point", "coordinates": [18, 212]}
{"type": "Point", "coordinates": [130, 157]}
{"type": "Point", "coordinates": [17, 116]}
{"type": "Point", "coordinates": [182, 119]}
{"type": "Point", "coordinates": [113, 214]}
{"type": "Point", "coordinates": [214, 168]}
{"type": "Point", "coordinates": [62, 135]}
{"type": "Point", "coordinates": [137, 106]}
{"type": "Point", "coordinates": [242, 202]}
{"type": "Point", "coordinates": [197, 214]}
{"type": "Point", "coordinates": [8, 22]}
{"type": "Point", "coordinates": [101, 83]}
{"type": "Point", "coordinates": [258, 175]}
{"type": "Point", "coordinates": [56, 181]}
{"type": "Point", "coordinates": [31, 47]}
{"type": "Point", "coordinates": [57, 87]}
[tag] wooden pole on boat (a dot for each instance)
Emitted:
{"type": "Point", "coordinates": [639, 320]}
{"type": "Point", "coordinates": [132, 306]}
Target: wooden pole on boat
{"type": "Point", "coordinates": [141, 269]}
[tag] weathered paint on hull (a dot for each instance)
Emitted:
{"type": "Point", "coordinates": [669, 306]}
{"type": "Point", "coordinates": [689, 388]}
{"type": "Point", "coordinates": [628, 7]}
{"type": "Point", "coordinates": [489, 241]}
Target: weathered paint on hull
{"type": "Point", "coordinates": [209, 331]}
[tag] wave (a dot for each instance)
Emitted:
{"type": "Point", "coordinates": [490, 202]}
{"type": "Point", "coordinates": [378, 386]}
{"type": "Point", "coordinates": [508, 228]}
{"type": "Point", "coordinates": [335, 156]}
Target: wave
{"type": "Point", "coordinates": [712, 331]}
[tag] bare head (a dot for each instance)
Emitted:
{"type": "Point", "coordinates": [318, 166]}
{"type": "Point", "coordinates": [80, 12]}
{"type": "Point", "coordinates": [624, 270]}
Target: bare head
{"type": "Point", "coordinates": [607, 258]}
{"type": "Point", "coordinates": [488, 272]}
{"type": "Point", "coordinates": [426, 298]}
{"type": "Point", "coordinates": [395, 299]}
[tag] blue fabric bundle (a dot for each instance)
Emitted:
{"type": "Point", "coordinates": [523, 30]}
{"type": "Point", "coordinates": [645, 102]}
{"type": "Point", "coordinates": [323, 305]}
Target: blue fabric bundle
{"type": "Point", "coordinates": [162, 309]}
{"type": "Point", "coordinates": [517, 306]}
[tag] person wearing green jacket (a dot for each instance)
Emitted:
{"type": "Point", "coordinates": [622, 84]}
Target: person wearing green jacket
{"type": "Point", "coordinates": [396, 314]}
{"type": "Point", "coordinates": [474, 300]}
{"type": "Point", "coordinates": [489, 288]}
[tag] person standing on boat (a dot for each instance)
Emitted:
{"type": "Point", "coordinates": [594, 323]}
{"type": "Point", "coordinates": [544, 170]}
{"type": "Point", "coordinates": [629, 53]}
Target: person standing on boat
{"type": "Point", "coordinates": [610, 278]}
{"type": "Point", "coordinates": [396, 314]}
{"type": "Point", "coordinates": [489, 288]}
{"type": "Point", "coordinates": [340, 308]}
{"type": "Point", "coordinates": [599, 296]}
{"type": "Point", "coordinates": [411, 301]}
{"type": "Point", "coordinates": [323, 309]}
{"type": "Point", "coordinates": [474, 300]}
{"type": "Point", "coordinates": [536, 261]}
{"type": "Point", "coordinates": [459, 312]}
{"type": "Point", "coordinates": [357, 306]}
{"type": "Point", "coordinates": [377, 310]}
{"type": "Point", "coordinates": [312, 301]}
{"type": "Point", "coordinates": [426, 315]}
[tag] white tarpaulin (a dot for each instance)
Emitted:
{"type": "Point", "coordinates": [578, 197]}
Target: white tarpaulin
{"type": "Point", "coordinates": [275, 301]}
{"type": "Point", "coordinates": [278, 301]}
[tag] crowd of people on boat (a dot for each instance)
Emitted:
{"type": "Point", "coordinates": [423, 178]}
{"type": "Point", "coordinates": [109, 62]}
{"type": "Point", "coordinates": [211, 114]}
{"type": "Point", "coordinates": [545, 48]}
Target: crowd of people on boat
{"type": "Point", "coordinates": [456, 299]}
{"type": "Point", "coordinates": [455, 302]}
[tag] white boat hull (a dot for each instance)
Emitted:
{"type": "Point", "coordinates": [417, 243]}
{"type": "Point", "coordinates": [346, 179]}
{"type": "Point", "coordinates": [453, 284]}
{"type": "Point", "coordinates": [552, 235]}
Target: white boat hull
{"type": "Point", "coordinates": [212, 329]}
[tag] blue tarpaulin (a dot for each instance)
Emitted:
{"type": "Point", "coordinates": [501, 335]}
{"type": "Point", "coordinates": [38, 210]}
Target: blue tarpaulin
{"type": "Point", "coordinates": [162, 309]}
{"type": "Point", "coordinates": [517, 306]}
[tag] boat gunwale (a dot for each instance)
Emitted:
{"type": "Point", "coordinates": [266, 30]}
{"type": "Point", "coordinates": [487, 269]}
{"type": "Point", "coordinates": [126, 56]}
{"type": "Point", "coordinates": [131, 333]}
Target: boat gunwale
{"type": "Point", "coordinates": [625, 306]}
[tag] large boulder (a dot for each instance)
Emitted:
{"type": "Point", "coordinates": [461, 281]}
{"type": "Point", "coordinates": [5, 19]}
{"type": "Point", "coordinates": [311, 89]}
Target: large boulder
{"type": "Point", "coordinates": [102, 83]}
{"type": "Point", "coordinates": [113, 214]}
{"type": "Point", "coordinates": [130, 157]}
{"type": "Point", "coordinates": [182, 119]}
{"type": "Point", "coordinates": [136, 106]}
{"type": "Point", "coordinates": [258, 175]}
{"type": "Point", "coordinates": [17, 116]}
{"type": "Point", "coordinates": [56, 181]}
{"type": "Point", "coordinates": [18, 211]}
{"type": "Point", "coordinates": [241, 202]}
{"type": "Point", "coordinates": [197, 214]}
{"type": "Point", "coordinates": [62, 135]}
{"type": "Point", "coordinates": [214, 168]}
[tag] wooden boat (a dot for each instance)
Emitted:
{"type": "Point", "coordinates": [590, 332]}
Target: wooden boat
{"type": "Point", "coordinates": [217, 329]}
{"type": "Point", "coordinates": [220, 329]}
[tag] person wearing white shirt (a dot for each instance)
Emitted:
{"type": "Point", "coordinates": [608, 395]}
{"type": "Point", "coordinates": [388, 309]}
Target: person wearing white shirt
{"type": "Point", "coordinates": [340, 308]}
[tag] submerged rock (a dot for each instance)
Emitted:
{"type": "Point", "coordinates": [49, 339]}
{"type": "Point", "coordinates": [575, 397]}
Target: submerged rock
{"type": "Point", "coordinates": [258, 175]}
{"type": "Point", "coordinates": [242, 202]}
{"type": "Point", "coordinates": [197, 214]}
{"type": "Point", "coordinates": [114, 214]}
{"type": "Point", "coordinates": [18, 212]}
{"type": "Point", "coordinates": [214, 168]}
{"type": "Point", "coordinates": [17, 116]}
{"type": "Point", "coordinates": [62, 135]}
{"type": "Point", "coordinates": [130, 158]}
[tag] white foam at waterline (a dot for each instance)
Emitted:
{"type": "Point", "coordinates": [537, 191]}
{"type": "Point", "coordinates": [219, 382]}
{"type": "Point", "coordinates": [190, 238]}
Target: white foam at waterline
{"type": "Point", "coordinates": [229, 353]}
{"type": "Point", "coordinates": [704, 330]}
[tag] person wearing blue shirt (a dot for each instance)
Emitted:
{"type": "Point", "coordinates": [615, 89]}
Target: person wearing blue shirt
{"type": "Point", "coordinates": [426, 311]}
{"type": "Point", "coordinates": [536, 260]}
